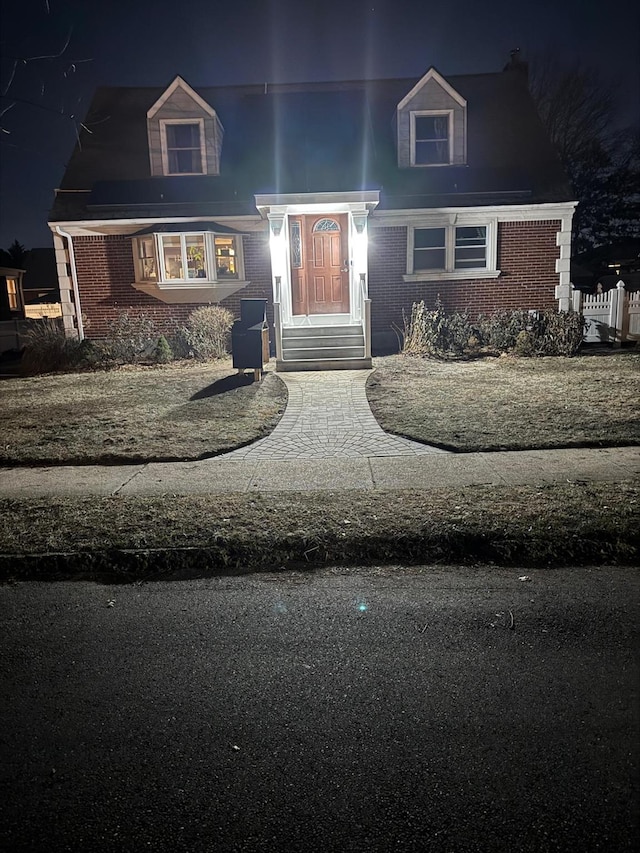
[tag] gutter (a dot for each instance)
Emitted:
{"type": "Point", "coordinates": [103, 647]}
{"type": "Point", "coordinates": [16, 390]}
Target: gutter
{"type": "Point", "coordinates": [74, 279]}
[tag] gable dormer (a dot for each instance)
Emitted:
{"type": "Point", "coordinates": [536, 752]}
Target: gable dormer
{"type": "Point", "coordinates": [184, 133]}
{"type": "Point", "coordinates": [431, 124]}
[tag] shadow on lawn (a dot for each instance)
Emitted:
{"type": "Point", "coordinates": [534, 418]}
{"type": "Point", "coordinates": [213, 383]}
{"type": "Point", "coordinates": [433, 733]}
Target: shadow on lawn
{"type": "Point", "coordinates": [229, 383]}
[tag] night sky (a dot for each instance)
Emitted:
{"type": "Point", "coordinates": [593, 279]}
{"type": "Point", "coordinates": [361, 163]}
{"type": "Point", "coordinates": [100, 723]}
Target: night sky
{"type": "Point", "coordinates": [148, 42]}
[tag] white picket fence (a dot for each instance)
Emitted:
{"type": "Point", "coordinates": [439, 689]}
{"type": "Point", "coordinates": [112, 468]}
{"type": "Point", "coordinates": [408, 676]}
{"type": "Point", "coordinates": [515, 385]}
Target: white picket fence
{"type": "Point", "coordinates": [611, 317]}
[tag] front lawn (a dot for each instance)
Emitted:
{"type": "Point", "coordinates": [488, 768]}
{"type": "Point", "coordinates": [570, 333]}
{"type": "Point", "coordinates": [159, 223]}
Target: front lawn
{"type": "Point", "coordinates": [183, 410]}
{"type": "Point", "coordinates": [508, 403]}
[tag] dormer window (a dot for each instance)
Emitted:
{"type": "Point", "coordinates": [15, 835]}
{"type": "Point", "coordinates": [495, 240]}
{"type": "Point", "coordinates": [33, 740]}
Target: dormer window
{"type": "Point", "coordinates": [431, 124]}
{"type": "Point", "coordinates": [431, 138]}
{"type": "Point", "coordinates": [183, 150]}
{"type": "Point", "coordinates": [184, 133]}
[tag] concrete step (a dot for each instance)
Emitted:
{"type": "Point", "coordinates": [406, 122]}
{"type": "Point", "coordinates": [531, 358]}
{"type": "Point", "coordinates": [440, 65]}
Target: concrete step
{"type": "Point", "coordinates": [318, 341]}
{"type": "Point", "coordinates": [291, 353]}
{"type": "Point", "coordinates": [320, 331]}
{"type": "Point", "coordinates": [324, 364]}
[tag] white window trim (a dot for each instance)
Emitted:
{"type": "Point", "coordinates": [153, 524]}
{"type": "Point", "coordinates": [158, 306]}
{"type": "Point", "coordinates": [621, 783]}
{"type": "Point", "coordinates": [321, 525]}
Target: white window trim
{"type": "Point", "coordinates": [450, 273]}
{"type": "Point", "coordinates": [165, 151]}
{"type": "Point", "coordinates": [413, 115]}
{"type": "Point", "coordinates": [212, 270]}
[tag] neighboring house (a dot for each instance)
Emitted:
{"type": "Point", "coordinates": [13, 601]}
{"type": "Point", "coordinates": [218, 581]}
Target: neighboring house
{"type": "Point", "coordinates": [40, 284]}
{"type": "Point", "coordinates": [11, 297]}
{"type": "Point", "coordinates": [11, 309]}
{"type": "Point", "coordinates": [341, 204]}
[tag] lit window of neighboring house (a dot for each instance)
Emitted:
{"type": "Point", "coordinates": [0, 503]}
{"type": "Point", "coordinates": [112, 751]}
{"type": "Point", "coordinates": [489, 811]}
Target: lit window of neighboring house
{"type": "Point", "coordinates": [452, 251]}
{"type": "Point", "coordinates": [183, 151]}
{"type": "Point", "coordinates": [12, 293]}
{"type": "Point", "coordinates": [185, 257]}
{"type": "Point", "coordinates": [431, 138]}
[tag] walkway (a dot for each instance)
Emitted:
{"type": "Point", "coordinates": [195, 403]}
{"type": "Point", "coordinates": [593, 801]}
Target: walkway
{"type": "Point", "coordinates": [328, 416]}
{"type": "Point", "coordinates": [327, 440]}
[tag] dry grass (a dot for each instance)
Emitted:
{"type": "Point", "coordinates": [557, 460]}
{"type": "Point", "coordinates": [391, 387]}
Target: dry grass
{"type": "Point", "coordinates": [134, 536]}
{"type": "Point", "coordinates": [510, 404]}
{"type": "Point", "coordinates": [176, 411]}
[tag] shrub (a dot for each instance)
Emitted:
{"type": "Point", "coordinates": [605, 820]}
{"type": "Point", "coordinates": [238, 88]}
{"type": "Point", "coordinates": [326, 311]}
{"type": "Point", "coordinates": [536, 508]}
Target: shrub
{"type": "Point", "coordinates": [131, 338]}
{"type": "Point", "coordinates": [500, 331]}
{"type": "Point", "coordinates": [163, 352]}
{"type": "Point", "coordinates": [436, 333]}
{"type": "Point", "coordinates": [561, 333]}
{"type": "Point", "coordinates": [48, 349]}
{"type": "Point", "coordinates": [433, 332]}
{"type": "Point", "coordinates": [207, 332]}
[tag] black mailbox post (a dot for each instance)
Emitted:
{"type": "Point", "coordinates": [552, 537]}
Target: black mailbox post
{"type": "Point", "coordinates": [250, 336]}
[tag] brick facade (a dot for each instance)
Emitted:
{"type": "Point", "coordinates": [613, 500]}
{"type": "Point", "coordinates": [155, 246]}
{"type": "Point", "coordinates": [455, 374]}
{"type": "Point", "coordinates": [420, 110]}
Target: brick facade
{"type": "Point", "coordinates": [527, 253]}
{"type": "Point", "coordinates": [106, 272]}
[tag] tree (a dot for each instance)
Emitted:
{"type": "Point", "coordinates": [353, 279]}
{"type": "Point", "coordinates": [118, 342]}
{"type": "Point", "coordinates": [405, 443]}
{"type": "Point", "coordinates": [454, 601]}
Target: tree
{"type": "Point", "coordinates": [579, 111]}
{"type": "Point", "coordinates": [15, 256]}
{"type": "Point", "coordinates": [36, 65]}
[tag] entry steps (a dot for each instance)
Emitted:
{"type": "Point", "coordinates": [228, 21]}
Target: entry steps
{"type": "Point", "coordinates": [323, 348]}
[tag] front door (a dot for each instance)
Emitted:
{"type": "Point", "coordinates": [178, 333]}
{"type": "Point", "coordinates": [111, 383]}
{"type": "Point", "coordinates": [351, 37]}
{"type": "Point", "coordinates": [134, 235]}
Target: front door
{"type": "Point", "coordinates": [319, 264]}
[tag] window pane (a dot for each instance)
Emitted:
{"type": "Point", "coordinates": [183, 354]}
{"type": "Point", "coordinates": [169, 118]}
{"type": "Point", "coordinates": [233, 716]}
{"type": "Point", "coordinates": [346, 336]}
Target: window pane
{"type": "Point", "coordinates": [226, 257]}
{"type": "Point", "coordinates": [183, 136]}
{"type": "Point", "coordinates": [432, 127]}
{"type": "Point", "coordinates": [428, 238]}
{"type": "Point", "coordinates": [183, 162]}
{"type": "Point", "coordinates": [431, 152]}
{"type": "Point", "coordinates": [196, 257]}
{"type": "Point", "coordinates": [428, 259]}
{"type": "Point", "coordinates": [172, 257]}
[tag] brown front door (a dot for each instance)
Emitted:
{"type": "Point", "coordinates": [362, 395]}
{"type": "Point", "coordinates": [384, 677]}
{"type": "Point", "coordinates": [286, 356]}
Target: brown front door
{"type": "Point", "coordinates": [319, 264]}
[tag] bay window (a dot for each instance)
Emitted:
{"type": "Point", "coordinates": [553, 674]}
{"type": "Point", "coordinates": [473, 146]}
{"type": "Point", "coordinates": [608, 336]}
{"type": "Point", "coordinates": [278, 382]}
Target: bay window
{"type": "Point", "coordinates": [172, 259]}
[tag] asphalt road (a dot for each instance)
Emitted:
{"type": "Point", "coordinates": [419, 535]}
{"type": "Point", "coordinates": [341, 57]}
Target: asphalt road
{"type": "Point", "coordinates": [420, 710]}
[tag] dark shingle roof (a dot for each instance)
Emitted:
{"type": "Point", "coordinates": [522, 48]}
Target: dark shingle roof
{"type": "Point", "coordinates": [319, 138]}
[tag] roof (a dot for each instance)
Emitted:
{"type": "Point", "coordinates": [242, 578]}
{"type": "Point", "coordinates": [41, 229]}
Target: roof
{"type": "Point", "coordinates": [320, 137]}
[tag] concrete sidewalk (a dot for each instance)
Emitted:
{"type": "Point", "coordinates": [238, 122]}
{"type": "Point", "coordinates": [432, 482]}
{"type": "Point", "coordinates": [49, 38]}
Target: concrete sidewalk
{"type": "Point", "coordinates": [327, 440]}
{"type": "Point", "coordinates": [225, 474]}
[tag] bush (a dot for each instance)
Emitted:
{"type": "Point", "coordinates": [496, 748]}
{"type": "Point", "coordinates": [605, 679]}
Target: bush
{"type": "Point", "coordinates": [207, 332]}
{"type": "Point", "coordinates": [500, 331]}
{"type": "Point", "coordinates": [524, 333]}
{"type": "Point", "coordinates": [131, 338]}
{"type": "Point", "coordinates": [434, 332]}
{"type": "Point", "coordinates": [48, 349]}
{"type": "Point", "coordinates": [163, 352]}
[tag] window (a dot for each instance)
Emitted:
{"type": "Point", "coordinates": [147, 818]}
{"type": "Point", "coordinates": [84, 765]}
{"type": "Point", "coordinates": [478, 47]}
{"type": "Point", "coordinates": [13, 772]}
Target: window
{"type": "Point", "coordinates": [12, 293]}
{"type": "Point", "coordinates": [451, 251]}
{"type": "Point", "coordinates": [471, 247]}
{"type": "Point", "coordinates": [183, 147]}
{"type": "Point", "coordinates": [185, 257]}
{"type": "Point", "coordinates": [147, 260]}
{"type": "Point", "coordinates": [431, 138]}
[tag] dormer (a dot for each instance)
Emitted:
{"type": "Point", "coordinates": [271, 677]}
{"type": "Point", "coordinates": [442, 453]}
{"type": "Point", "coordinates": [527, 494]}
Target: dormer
{"type": "Point", "coordinates": [184, 133]}
{"type": "Point", "coordinates": [431, 124]}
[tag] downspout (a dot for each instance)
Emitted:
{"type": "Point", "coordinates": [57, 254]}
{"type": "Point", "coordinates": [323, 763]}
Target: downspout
{"type": "Point", "coordinates": [74, 279]}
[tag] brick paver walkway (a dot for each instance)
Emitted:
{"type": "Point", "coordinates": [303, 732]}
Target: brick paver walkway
{"type": "Point", "coordinates": [328, 416]}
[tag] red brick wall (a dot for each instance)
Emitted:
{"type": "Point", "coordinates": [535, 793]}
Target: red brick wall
{"type": "Point", "coordinates": [527, 254]}
{"type": "Point", "coordinates": [105, 276]}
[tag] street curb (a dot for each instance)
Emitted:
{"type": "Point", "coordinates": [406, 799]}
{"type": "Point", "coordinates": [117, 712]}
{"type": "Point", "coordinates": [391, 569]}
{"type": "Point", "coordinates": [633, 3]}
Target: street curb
{"type": "Point", "coordinates": [233, 558]}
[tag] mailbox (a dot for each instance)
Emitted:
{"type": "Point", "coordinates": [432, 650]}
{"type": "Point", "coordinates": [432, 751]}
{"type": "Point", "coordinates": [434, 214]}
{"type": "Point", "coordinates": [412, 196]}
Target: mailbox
{"type": "Point", "coordinates": [250, 336]}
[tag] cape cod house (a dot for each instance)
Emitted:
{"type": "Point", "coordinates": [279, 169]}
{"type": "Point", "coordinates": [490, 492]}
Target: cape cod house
{"type": "Point", "coordinates": [339, 203]}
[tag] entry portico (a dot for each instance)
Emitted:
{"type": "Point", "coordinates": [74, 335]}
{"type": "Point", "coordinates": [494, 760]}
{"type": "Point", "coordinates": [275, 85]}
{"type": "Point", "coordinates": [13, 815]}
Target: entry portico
{"type": "Point", "coordinates": [318, 247]}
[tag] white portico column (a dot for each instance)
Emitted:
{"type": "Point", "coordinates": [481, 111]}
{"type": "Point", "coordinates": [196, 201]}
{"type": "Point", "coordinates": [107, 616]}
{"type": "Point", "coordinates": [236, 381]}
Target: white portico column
{"type": "Point", "coordinates": [279, 274]}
